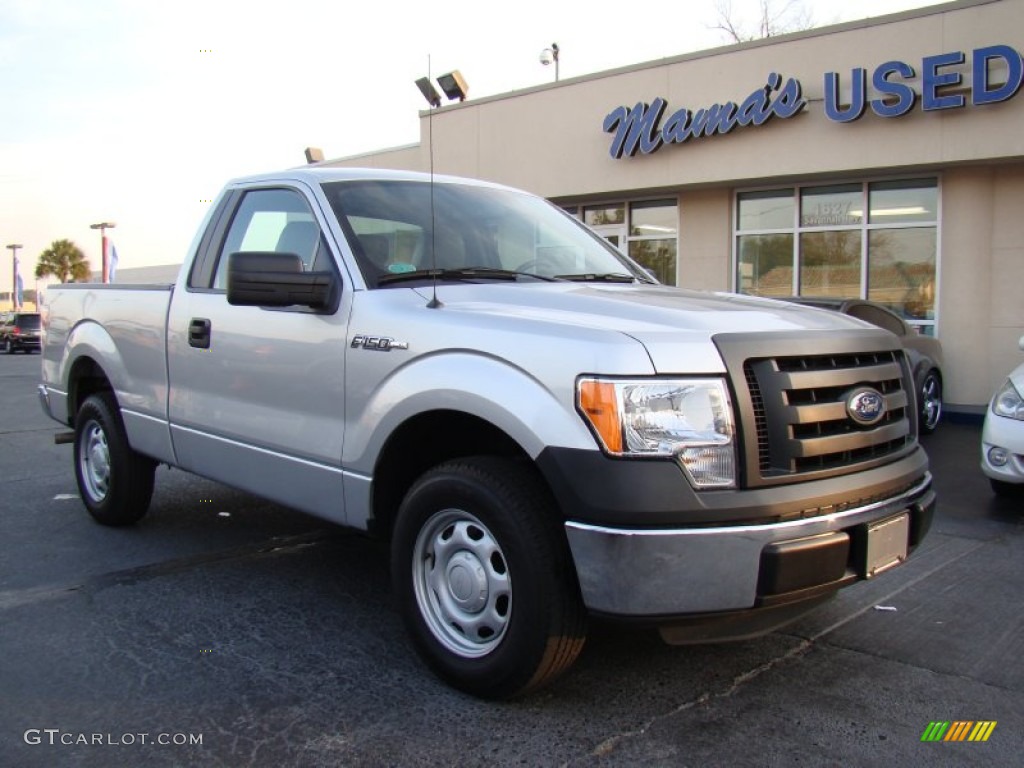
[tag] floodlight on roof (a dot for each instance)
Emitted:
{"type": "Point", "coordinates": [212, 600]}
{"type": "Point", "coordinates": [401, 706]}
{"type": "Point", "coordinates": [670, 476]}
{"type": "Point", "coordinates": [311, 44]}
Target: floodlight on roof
{"type": "Point", "coordinates": [454, 85]}
{"type": "Point", "coordinates": [429, 91]}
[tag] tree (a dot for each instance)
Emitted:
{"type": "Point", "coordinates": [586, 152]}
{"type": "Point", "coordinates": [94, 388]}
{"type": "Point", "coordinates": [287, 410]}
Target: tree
{"type": "Point", "coordinates": [63, 259]}
{"type": "Point", "coordinates": [774, 18]}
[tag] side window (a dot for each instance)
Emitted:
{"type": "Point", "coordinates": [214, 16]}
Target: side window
{"type": "Point", "coordinates": [272, 220]}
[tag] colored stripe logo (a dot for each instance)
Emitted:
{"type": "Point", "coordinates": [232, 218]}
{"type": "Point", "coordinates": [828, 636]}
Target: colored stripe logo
{"type": "Point", "coordinates": [959, 730]}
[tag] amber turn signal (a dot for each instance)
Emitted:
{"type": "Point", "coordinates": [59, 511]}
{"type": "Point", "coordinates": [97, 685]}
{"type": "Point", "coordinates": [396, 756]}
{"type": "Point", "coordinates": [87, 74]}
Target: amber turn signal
{"type": "Point", "coordinates": [599, 403]}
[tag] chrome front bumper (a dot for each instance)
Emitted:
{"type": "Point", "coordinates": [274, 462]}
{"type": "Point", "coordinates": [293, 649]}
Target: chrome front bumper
{"type": "Point", "coordinates": [681, 572]}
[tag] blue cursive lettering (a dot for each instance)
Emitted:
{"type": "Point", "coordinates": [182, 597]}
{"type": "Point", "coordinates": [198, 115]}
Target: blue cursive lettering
{"type": "Point", "coordinates": [637, 129]}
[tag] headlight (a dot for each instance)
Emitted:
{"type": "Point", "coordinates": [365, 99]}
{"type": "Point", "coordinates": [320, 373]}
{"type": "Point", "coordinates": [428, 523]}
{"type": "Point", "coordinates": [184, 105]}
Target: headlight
{"type": "Point", "coordinates": [690, 419]}
{"type": "Point", "coordinates": [1008, 402]}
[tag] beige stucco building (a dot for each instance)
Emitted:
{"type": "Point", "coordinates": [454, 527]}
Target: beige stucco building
{"type": "Point", "coordinates": [882, 159]}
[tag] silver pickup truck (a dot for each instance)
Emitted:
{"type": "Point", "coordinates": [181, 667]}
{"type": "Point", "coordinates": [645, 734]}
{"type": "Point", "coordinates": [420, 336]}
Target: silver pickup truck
{"type": "Point", "coordinates": [543, 431]}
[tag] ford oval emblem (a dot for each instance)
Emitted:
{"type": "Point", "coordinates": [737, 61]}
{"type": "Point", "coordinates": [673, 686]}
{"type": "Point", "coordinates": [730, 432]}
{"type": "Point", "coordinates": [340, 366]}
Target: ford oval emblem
{"type": "Point", "coordinates": [866, 406]}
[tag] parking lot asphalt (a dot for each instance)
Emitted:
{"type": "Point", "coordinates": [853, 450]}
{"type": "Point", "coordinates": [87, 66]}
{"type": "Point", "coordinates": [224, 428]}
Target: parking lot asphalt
{"type": "Point", "coordinates": [244, 633]}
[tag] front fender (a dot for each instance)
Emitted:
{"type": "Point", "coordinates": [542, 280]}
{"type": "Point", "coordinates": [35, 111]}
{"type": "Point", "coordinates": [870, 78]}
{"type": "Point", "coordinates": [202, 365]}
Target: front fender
{"type": "Point", "coordinates": [532, 414]}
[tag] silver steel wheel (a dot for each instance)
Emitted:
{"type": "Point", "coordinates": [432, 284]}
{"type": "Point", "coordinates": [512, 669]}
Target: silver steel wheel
{"type": "Point", "coordinates": [461, 583]}
{"type": "Point", "coordinates": [931, 402]}
{"type": "Point", "coordinates": [94, 460]}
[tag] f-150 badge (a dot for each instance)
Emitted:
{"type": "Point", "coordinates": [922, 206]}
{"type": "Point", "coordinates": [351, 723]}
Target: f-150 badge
{"type": "Point", "coordinates": [378, 343]}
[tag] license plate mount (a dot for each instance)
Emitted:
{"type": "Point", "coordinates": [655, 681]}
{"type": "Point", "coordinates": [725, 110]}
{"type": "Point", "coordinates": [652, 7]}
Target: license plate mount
{"type": "Point", "coordinates": [887, 544]}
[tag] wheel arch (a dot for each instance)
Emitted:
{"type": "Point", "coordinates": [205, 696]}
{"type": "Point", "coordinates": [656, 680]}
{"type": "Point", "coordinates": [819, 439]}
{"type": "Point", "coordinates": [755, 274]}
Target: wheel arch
{"type": "Point", "coordinates": [424, 441]}
{"type": "Point", "coordinates": [91, 363]}
{"type": "Point", "coordinates": [85, 378]}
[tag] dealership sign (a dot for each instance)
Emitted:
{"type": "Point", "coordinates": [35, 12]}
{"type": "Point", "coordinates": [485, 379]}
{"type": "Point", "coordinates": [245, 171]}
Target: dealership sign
{"type": "Point", "coordinates": [644, 128]}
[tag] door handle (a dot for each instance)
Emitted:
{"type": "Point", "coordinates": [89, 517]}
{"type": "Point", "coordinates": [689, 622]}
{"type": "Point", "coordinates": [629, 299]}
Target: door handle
{"type": "Point", "coordinates": [199, 333]}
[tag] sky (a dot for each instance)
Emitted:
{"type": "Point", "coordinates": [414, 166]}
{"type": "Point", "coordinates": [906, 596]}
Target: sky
{"type": "Point", "coordinates": [138, 112]}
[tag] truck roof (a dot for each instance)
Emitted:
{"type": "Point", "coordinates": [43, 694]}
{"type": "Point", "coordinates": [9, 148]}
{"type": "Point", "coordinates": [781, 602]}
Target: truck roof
{"type": "Point", "coordinates": [319, 174]}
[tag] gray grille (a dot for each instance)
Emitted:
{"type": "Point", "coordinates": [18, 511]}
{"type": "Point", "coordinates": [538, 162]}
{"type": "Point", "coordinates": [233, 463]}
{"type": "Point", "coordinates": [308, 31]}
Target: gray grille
{"type": "Point", "coordinates": [794, 422]}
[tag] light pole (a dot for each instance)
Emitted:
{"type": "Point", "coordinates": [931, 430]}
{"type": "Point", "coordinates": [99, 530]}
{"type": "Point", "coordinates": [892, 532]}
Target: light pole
{"type": "Point", "coordinates": [103, 226]}
{"type": "Point", "coordinates": [14, 274]}
{"type": "Point", "coordinates": [549, 55]}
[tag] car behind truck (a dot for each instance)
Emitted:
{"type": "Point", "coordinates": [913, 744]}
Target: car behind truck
{"type": "Point", "coordinates": [543, 431]}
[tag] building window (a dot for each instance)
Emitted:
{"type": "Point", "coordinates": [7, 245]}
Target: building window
{"type": "Point", "coordinates": [653, 227]}
{"type": "Point", "coordinates": [874, 240]}
{"type": "Point", "coordinates": [604, 215]}
{"type": "Point", "coordinates": [647, 230]}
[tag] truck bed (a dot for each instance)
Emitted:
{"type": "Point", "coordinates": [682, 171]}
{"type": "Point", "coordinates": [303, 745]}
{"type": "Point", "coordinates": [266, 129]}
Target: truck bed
{"type": "Point", "coordinates": [125, 327]}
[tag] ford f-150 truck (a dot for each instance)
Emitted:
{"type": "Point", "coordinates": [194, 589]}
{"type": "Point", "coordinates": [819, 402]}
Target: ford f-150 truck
{"type": "Point", "coordinates": [544, 432]}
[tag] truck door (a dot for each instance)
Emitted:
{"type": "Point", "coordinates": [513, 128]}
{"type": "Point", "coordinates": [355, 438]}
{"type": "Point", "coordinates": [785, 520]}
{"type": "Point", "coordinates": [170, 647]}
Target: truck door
{"type": "Point", "coordinates": [257, 394]}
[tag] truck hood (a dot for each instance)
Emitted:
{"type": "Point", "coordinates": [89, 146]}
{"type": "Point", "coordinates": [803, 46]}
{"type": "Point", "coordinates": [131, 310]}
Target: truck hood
{"type": "Point", "coordinates": [671, 323]}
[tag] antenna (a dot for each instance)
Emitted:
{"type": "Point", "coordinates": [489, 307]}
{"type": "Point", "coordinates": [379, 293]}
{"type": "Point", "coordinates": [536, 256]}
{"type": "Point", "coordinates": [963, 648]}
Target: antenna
{"type": "Point", "coordinates": [434, 302]}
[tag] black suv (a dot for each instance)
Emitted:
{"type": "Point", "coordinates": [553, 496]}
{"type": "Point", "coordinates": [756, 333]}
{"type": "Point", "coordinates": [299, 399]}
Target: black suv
{"type": "Point", "coordinates": [20, 330]}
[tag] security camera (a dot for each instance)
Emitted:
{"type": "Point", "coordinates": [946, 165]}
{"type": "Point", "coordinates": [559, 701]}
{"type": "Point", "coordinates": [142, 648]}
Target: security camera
{"type": "Point", "coordinates": [546, 56]}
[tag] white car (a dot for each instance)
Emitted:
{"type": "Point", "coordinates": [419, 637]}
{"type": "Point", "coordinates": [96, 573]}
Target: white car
{"type": "Point", "coordinates": [1002, 439]}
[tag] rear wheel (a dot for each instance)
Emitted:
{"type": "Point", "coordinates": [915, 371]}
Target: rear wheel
{"type": "Point", "coordinates": [484, 578]}
{"type": "Point", "coordinates": [931, 402]}
{"type": "Point", "coordinates": [115, 482]}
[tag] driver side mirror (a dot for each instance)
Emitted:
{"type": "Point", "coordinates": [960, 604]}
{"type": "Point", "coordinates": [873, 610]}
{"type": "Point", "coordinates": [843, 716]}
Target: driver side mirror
{"type": "Point", "coordinates": [269, 279]}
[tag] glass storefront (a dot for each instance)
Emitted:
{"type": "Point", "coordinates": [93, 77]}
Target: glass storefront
{"type": "Point", "coordinates": [647, 230]}
{"type": "Point", "coordinates": [874, 240]}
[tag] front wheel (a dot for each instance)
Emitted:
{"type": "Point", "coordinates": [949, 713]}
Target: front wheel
{"type": "Point", "coordinates": [931, 402]}
{"type": "Point", "coordinates": [115, 482]}
{"type": "Point", "coordinates": [485, 580]}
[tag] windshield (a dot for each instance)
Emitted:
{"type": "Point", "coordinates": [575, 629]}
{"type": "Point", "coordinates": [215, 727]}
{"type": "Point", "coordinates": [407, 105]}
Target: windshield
{"type": "Point", "coordinates": [471, 230]}
{"type": "Point", "coordinates": [28, 322]}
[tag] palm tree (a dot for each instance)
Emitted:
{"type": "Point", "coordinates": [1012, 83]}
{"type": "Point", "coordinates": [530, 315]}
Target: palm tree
{"type": "Point", "coordinates": [63, 259]}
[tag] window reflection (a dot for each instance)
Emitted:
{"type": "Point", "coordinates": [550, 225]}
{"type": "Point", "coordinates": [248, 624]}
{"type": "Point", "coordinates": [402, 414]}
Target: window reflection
{"type": "Point", "coordinates": [895, 244]}
{"type": "Point", "coordinates": [836, 206]}
{"type": "Point", "coordinates": [658, 218]}
{"type": "Point", "coordinates": [766, 265]}
{"type": "Point", "coordinates": [598, 216]}
{"type": "Point", "coordinates": [766, 210]}
{"type": "Point", "coordinates": [899, 202]}
{"type": "Point", "coordinates": [901, 271]}
{"type": "Point", "coordinates": [659, 256]}
{"type": "Point", "coordinates": [830, 264]}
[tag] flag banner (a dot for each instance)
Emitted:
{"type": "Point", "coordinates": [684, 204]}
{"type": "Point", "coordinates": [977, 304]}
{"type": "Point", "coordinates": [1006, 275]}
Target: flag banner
{"type": "Point", "coordinates": [19, 293]}
{"type": "Point", "coordinates": [112, 262]}
{"type": "Point", "coordinates": [16, 293]}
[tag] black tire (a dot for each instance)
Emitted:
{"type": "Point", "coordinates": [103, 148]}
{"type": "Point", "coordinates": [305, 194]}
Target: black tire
{"type": "Point", "coordinates": [115, 482]}
{"type": "Point", "coordinates": [499, 527]}
{"type": "Point", "coordinates": [1007, 490]}
{"type": "Point", "coordinates": [930, 398]}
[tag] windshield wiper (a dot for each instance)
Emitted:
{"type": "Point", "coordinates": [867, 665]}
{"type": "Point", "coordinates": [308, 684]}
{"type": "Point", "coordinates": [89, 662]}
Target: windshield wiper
{"type": "Point", "coordinates": [465, 273]}
{"type": "Point", "coordinates": [591, 277]}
